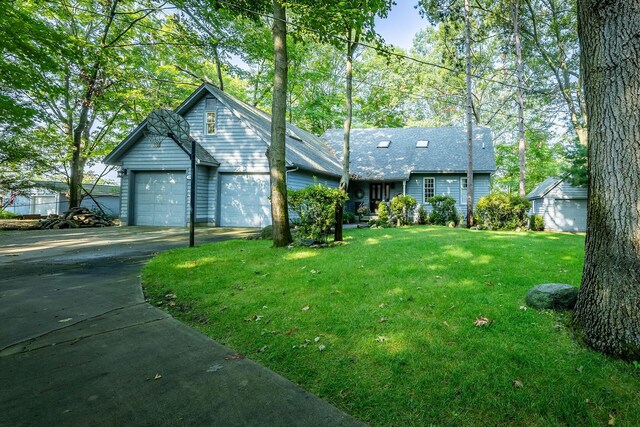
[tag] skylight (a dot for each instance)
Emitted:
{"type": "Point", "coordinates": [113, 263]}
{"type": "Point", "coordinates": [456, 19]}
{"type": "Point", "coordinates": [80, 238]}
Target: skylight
{"type": "Point", "coordinates": [422, 144]}
{"type": "Point", "coordinates": [384, 144]}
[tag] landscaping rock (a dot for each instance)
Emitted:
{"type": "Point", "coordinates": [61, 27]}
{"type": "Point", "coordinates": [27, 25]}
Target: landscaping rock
{"type": "Point", "coordinates": [556, 296]}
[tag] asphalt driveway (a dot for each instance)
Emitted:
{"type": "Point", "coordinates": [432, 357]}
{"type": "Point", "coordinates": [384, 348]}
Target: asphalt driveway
{"type": "Point", "coordinates": [80, 346]}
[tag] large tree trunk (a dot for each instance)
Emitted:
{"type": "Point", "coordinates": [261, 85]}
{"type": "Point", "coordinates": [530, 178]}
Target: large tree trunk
{"type": "Point", "coordinates": [467, 43]}
{"type": "Point", "coordinates": [346, 150]}
{"type": "Point", "coordinates": [520, 100]}
{"type": "Point", "coordinates": [607, 314]}
{"type": "Point", "coordinates": [276, 152]}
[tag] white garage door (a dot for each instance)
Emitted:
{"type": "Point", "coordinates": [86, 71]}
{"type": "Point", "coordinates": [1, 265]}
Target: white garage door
{"type": "Point", "coordinates": [571, 215]}
{"type": "Point", "coordinates": [160, 198]}
{"type": "Point", "coordinates": [244, 201]}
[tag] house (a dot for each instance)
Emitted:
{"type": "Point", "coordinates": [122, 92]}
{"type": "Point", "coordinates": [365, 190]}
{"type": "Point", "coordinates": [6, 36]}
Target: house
{"type": "Point", "coordinates": [232, 171]}
{"type": "Point", "coordinates": [420, 162]}
{"type": "Point", "coordinates": [51, 197]}
{"type": "Point", "coordinates": [562, 205]}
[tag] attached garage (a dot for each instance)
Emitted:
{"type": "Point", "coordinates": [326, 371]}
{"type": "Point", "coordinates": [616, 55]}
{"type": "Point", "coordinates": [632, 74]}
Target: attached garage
{"type": "Point", "coordinates": [244, 200]}
{"type": "Point", "coordinates": [160, 198]}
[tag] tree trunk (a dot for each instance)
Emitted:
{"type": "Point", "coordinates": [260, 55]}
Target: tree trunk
{"type": "Point", "coordinates": [467, 46]}
{"type": "Point", "coordinates": [520, 100]}
{"type": "Point", "coordinates": [218, 67]}
{"type": "Point", "coordinates": [276, 152]}
{"type": "Point", "coordinates": [607, 314]}
{"type": "Point", "coordinates": [346, 150]}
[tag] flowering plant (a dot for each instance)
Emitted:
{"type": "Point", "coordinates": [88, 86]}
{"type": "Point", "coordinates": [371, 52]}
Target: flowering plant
{"type": "Point", "coordinates": [363, 209]}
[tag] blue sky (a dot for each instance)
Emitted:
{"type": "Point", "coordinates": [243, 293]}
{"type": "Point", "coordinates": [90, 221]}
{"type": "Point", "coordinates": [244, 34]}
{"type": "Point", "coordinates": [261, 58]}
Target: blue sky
{"type": "Point", "coordinates": [402, 24]}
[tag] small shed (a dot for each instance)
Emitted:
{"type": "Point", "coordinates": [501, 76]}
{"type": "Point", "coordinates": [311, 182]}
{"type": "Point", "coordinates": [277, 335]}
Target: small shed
{"type": "Point", "coordinates": [563, 206]}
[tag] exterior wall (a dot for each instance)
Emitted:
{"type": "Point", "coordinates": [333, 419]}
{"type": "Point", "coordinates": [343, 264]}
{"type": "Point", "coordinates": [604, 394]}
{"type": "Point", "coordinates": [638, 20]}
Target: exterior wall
{"type": "Point", "coordinates": [565, 190]}
{"type": "Point", "coordinates": [21, 204]}
{"type": "Point", "coordinates": [354, 202]}
{"type": "Point", "coordinates": [124, 199]}
{"type": "Point", "coordinates": [110, 204]}
{"type": "Point", "coordinates": [298, 180]}
{"type": "Point", "coordinates": [234, 145]}
{"type": "Point", "coordinates": [202, 195]}
{"type": "Point", "coordinates": [449, 185]}
{"type": "Point", "coordinates": [212, 199]}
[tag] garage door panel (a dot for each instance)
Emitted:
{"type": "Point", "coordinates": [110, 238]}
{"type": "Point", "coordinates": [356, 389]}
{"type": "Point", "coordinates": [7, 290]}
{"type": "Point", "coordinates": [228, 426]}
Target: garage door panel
{"type": "Point", "coordinates": [244, 201]}
{"type": "Point", "coordinates": [160, 198]}
{"type": "Point", "coordinates": [571, 215]}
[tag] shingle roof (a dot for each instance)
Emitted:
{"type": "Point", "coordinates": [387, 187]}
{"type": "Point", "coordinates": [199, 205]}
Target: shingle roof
{"type": "Point", "coordinates": [304, 150]}
{"type": "Point", "coordinates": [446, 152]}
{"type": "Point", "coordinates": [543, 188]}
{"type": "Point", "coordinates": [63, 187]}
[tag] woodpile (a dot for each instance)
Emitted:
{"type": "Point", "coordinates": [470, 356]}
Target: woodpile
{"type": "Point", "coordinates": [75, 218]}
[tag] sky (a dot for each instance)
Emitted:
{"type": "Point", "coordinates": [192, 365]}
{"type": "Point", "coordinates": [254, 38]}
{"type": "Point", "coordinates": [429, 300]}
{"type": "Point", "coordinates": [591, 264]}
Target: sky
{"type": "Point", "coordinates": [402, 24]}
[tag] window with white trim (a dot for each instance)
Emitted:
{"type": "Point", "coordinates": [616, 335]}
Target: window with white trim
{"type": "Point", "coordinates": [429, 188]}
{"type": "Point", "coordinates": [210, 119]}
{"type": "Point", "coordinates": [464, 184]}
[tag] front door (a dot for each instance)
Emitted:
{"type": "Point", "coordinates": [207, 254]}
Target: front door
{"type": "Point", "coordinates": [378, 192]}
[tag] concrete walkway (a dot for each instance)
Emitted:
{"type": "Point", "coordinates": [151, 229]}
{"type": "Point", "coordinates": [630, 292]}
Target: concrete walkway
{"type": "Point", "coordinates": [79, 345]}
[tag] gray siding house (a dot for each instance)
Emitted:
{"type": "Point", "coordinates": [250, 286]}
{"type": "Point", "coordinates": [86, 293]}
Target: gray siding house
{"type": "Point", "coordinates": [562, 206]}
{"type": "Point", "coordinates": [232, 187]}
{"type": "Point", "coordinates": [421, 162]}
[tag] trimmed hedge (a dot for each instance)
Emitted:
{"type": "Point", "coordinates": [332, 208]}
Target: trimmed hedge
{"type": "Point", "coordinates": [499, 211]}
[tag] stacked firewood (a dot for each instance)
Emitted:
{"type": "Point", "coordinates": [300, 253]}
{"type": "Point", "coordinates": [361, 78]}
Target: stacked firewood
{"type": "Point", "coordinates": [75, 218]}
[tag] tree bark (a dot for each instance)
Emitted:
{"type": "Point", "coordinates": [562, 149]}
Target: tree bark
{"type": "Point", "coordinates": [352, 44]}
{"type": "Point", "coordinates": [467, 46]}
{"type": "Point", "coordinates": [522, 147]}
{"type": "Point", "coordinates": [607, 314]}
{"type": "Point", "coordinates": [276, 152]}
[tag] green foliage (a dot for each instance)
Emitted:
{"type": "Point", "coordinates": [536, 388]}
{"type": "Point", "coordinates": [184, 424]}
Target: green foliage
{"type": "Point", "coordinates": [420, 215]}
{"type": "Point", "coordinates": [443, 210]}
{"type": "Point", "coordinates": [500, 211]}
{"type": "Point", "coordinates": [6, 214]}
{"type": "Point", "coordinates": [266, 233]}
{"type": "Point", "coordinates": [383, 213]}
{"type": "Point", "coordinates": [402, 207]}
{"type": "Point", "coordinates": [315, 205]}
{"type": "Point", "coordinates": [363, 209]}
{"type": "Point", "coordinates": [348, 218]}
{"type": "Point", "coordinates": [536, 223]}
{"type": "Point", "coordinates": [577, 165]}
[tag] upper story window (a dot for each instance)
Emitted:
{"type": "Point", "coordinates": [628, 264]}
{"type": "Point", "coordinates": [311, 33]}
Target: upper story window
{"type": "Point", "coordinates": [210, 118]}
{"type": "Point", "coordinates": [429, 188]}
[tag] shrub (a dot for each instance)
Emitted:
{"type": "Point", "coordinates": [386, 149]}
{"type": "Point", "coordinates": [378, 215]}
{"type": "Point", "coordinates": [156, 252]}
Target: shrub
{"type": "Point", "coordinates": [6, 214]}
{"type": "Point", "coordinates": [383, 214]}
{"type": "Point", "coordinates": [420, 216]}
{"type": "Point", "coordinates": [444, 210]}
{"type": "Point", "coordinates": [363, 209]}
{"type": "Point", "coordinates": [266, 233]}
{"type": "Point", "coordinates": [315, 205]}
{"type": "Point", "coordinates": [536, 223]}
{"type": "Point", "coordinates": [348, 218]}
{"type": "Point", "coordinates": [402, 207]}
{"type": "Point", "coordinates": [502, 211]}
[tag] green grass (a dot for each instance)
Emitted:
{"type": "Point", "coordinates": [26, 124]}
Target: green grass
{"type": "Point", "coordinates": [395, 310]}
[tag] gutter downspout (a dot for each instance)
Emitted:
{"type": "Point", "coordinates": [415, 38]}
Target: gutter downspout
{"type": "Point", "coordinates": [404, 188]}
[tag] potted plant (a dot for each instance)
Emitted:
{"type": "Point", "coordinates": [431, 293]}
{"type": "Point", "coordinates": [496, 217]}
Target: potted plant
{"type": "Point", "coordinates": [363, 210]}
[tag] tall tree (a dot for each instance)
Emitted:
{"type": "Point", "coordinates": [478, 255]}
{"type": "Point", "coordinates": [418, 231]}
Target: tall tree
{"type": "Point", "coordinates": [515, 7]}
{"type": "Point", "coordinates": [467, 55]}
{"type": "Point", "coordinates": [607, 314]}
{"type": "Point", "coordinates": [277, 150]}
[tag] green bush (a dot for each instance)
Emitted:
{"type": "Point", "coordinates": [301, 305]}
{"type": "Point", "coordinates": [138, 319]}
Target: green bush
{"type": "Point", "coordinates": [500, 211]}
{"type": "Point", "coordinates": [348, 218]}
{"type": "Point", "coordinates": [383, 214]}
{"type": "Point", "coordinates": [536, 223]}
{"type": "Point", "coordinates": [315, 205]}
{"type": "Point", "coordinates": [6, 215]}
{"type": "Point", "coordinates": [444, 210]}
{"type": "Point", "coordinates": [420, 216]}
{"type": "Point", "coordinates": [402, 207]}
{"type": "Point", "coordinates": [266, 233]}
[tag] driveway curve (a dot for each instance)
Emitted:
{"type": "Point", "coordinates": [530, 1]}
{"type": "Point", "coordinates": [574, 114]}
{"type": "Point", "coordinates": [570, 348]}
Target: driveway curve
{"type": "Point", "coordinates": [80, 346]}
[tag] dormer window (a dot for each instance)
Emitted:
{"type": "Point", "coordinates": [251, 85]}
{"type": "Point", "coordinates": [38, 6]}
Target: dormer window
{"type": "Point", "coordinates": [210, 118]}
{"type": "Point", "coordinates": [384, 144]}
{"type": "Point", "coordinates": [423, 143]}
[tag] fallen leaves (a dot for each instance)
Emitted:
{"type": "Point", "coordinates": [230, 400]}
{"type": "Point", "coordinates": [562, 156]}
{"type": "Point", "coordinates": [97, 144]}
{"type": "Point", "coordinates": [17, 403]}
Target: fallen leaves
{"type": "Point", "coordinates": [306, 308]}
{"type": "Point", "coordinates": [291, 331]}
{"type": "Point", "coordinates": [322, 347]}
{"type": "Point", "coordinates": [65, 320]}
{"type": "Point", "coordinates": [381, 338]}
{"type": "Point", "coordinates": [517, 384]}
{"type": "Point", "coordinates": [482, 321]}
{"type": "Point", "coordinates": [236, 356]}
{"type": "Point", "coordinates": [157, 377]}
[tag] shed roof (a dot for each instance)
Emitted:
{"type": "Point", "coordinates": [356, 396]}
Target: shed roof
{"type": "Point", "coordinates": [560, 187]}
{"type": "Point", "coordinates": [446, 151]}
{"type": "Point", "coordinates": [63, 187]}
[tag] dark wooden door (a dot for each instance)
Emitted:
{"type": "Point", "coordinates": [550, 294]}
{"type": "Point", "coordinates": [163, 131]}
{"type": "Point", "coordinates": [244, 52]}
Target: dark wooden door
{"type": "Point", "coordinates": [378, 192]}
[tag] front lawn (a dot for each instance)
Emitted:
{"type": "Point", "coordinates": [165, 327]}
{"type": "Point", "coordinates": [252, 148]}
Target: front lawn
{"type": "Point", "coordinates": [383, 326]}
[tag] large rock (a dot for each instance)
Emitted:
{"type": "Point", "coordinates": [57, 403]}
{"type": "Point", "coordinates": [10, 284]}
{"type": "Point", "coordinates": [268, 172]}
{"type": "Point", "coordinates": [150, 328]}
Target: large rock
{"type": "Point", "coordinates": [556, 296]}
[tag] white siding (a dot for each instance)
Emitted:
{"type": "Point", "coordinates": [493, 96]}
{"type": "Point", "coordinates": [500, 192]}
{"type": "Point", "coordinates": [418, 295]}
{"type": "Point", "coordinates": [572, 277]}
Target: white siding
{"type": "Point", "coordinates": [234, 145]}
